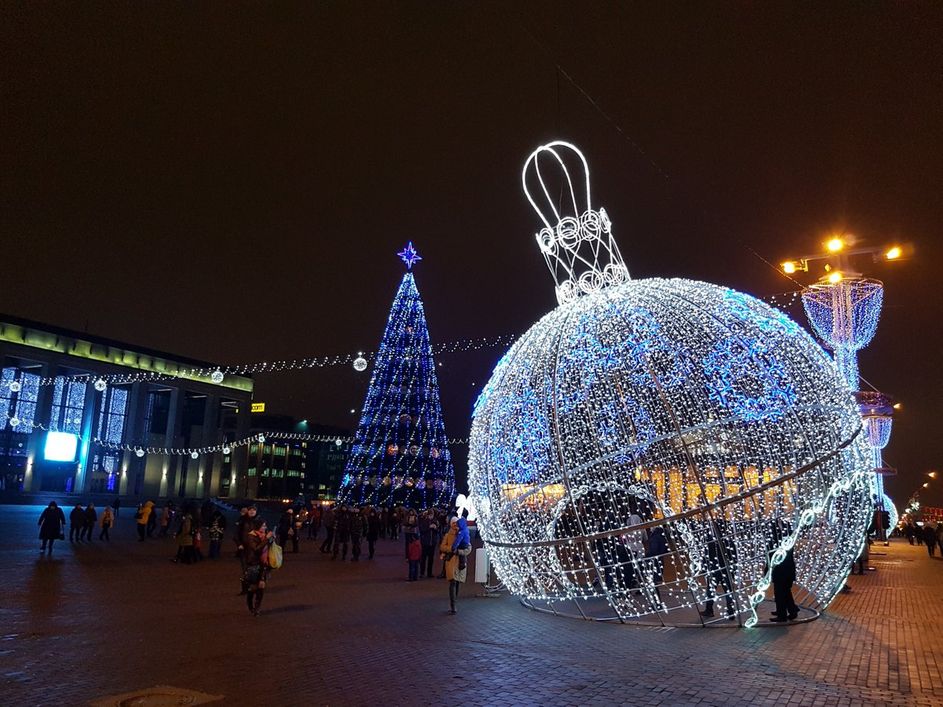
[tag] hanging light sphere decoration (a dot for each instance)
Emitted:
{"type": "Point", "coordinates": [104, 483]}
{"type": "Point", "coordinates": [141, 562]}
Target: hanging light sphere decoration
{"type": "Point", "coordinates": [16, 387]}
{"type": "Point", "coordinates": [100, 385]}
{"type": "Point", "coordinates": [360, 364]}
{"type": "Point", "coordinates": [139, 452]}
{"type": "Point", "coordinates": [651, 443]}
{"type": "Point", "coordinates": [226, 449]}
{"type": "Point", "coordinates": [217, 376]}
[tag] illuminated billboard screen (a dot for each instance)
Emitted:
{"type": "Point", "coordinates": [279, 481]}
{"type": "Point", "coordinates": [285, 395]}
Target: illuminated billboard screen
{"type": "Point", "coordinates": [60, 447]}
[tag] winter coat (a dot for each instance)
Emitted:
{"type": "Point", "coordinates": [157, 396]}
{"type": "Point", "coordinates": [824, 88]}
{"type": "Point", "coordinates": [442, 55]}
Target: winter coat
{"type": "Point", "coordinates": [342, 526]}
{"type": "Point", "coordinates": [785, 571]}
{"type": "Point", "coordinates": [452, 571]}
{"type": "Point", "coordinates": [255, 544]}
{"type": "Point", "coordinates": [91, 516]}
{"type": "Point", "coordinates": [358, 525]}
{"type": "Point", "coordinates": [51, 522]}
{"type": "Point", "coordinates": [77, 517]}
{"type": "Point", "coordinates": [107, 518]}
{"type": "Point", "coordinates": [414, 551]}
{"type": "Point", "coordinates": [430, 535]}
{"type": "Point", "coordinates": [185, 534]}
{"type": "Point", "coordinates": [373, 527]}
{"type": "Point", "coordinates": [929, 534]}
{"type": "Point", "coordinates": [146, 513]}
{"type": "Point", "coordinates": [446, 545]}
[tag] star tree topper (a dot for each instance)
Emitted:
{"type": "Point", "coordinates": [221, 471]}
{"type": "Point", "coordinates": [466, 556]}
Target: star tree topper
{"type": "Point", "coordinates": [409, 255]}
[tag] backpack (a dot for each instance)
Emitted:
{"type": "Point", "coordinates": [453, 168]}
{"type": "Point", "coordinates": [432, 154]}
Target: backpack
{"type": "Point", "coordinates": [274, 556]}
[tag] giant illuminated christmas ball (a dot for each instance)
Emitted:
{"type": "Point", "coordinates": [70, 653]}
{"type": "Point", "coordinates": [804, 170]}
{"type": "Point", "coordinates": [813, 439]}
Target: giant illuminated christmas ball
{"type": "Point", "coordinates": [651, 444]}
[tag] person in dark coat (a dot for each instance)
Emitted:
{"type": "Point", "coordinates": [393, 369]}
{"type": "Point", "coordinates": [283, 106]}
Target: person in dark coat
{"type": "Point", "coordinates": [373, 531]}
{"type": "Point", "coordinates": [76, 523]}
{"type": "Point", "coordinates": [358, 528]}
{"type": "Point", "coordinates": [91, 518]}
{"type": "Point", "coordinates": [286, 528]}
{"type": "Point", "coordinates": [116, 506]}
{"type": "Point", "coordinates": [341, 531]}
{"type": "Point", "coordinates": [784, 574]}
{"type": "Point", "coordinates": [327, 518]}
{"type": "Point", "coordinates": [719, 560]}
{"type": "Point", "coordinates": [929, 538]}
{"type": "Point", "coordinates": [51, 526]}
{"type": "Point", "coordinates": [429, 537]}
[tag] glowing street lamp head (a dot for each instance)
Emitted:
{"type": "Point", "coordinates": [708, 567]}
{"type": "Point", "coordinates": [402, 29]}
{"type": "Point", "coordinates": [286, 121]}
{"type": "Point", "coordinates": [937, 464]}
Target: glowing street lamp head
{"type": "Point", "coordinates": [834, 277]}
{"type": "Point", "coordinates": [789, 267]}
{"type": "Point", "coordinates": [834, 244]}
{"type": "Point", "coordinates": [893, 253]}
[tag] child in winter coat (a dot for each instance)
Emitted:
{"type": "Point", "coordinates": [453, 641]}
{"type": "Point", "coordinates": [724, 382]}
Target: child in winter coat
{"type": "Point", "coordinates": [414, 554]}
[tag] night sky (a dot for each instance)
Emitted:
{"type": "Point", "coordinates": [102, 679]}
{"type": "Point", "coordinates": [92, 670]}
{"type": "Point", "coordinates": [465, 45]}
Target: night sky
{"type": "Point", "coordinates": [232, 183]}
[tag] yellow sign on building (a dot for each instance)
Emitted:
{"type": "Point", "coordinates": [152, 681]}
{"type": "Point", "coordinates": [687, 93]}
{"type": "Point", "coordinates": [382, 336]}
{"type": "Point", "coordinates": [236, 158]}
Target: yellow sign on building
{"type": "Point", "coordinates": [258, 407]}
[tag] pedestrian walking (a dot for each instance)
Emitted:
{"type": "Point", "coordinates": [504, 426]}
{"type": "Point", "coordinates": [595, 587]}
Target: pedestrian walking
{"type": "Point", "coordinates": [257, 569]}
{"type": "Point", "coordinates": [185, 539]}
{"type": "Point", "coordinates": [719, 559]}
{"type": "Point", "coordinates": [141, 520]}
{"type": "Point", "coordinates": [216, 531]}
{"type": "Point", "coordinates": [91, 520]}
{"type": "Point", "coordinates": [445, 547]}
{"type": "Point", "coordinates": [341, 532]}
{"type": "Point", "coordinates": [358, 528]}
{"type": "Point", "coordinates": [151, 518]}
{"type": "Point", "coordinates": [107, 520]}
{"type": "Point", "coordinates": [410, 528]}
{"type": "Point", "coordinates": [51, 527]}
{"type": "Point", "coordinates": [285, 528]}
{"type": "Point", "coordinates": [166, 515]}
{"type": "Point", "coordinates": [76, 523]}
{"type": "Point", "coordinates": [327, 519]}
{"type": "Point", "coordinates": [243, 528]}
{"type": "Point", "coordinates": [429, 539]}
{"type": "Point", "coordinates": [783, 576]}
{"type": "Point", "coordinates": [929, 538]}
{"type": "Point", "coordinates": [373, 531]}
{"type": "Point", "coordinates": [456, 569]}
{"type": "Point", "coordinates": [116, 506]}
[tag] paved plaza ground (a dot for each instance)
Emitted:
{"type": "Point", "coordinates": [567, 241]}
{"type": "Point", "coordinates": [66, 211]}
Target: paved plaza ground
{"type": "Point", "coordinates": [100, 619]}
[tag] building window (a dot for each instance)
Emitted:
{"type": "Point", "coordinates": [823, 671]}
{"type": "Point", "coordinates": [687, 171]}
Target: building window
{"type": "Point", "coordinates": [280, 451]}
{"type": "Point", "coordinates": [111, 414]}
{"type": "Point", "coordinates": [21, 405]}
{"type": "Point", "coordinates": [68, 402]}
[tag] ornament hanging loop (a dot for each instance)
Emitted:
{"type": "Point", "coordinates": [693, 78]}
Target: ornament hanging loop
{"type": "Point", "coordinates": [576, 240]}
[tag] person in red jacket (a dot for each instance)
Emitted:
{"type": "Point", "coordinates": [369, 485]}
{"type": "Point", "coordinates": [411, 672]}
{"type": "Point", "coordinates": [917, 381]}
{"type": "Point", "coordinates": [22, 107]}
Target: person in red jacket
{"type": "Point", "coordinates": [414, 554]}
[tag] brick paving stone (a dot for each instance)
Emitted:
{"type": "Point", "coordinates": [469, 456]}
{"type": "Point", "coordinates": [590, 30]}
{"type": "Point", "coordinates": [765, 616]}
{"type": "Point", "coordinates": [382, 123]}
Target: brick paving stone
{"type": "Point", "coordinates": [99, 620]}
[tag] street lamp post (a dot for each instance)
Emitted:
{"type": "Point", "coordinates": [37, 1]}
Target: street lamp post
{"type": "Point", "coordinates": [843, 308]}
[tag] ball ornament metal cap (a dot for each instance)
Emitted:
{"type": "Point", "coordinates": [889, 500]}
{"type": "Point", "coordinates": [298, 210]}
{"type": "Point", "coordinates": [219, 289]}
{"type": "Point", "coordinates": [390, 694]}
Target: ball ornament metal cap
{"type": "Point", "coordinates": [651, 442]}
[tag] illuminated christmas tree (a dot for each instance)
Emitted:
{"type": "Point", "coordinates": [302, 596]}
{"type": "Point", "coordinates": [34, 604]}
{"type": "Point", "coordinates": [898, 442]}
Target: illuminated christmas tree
{"type": "Point", "coordinates": [400, 453]}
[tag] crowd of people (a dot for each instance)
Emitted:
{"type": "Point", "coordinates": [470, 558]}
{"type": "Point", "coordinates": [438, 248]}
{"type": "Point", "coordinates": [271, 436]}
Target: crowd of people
{"type": "Point", "coordinates": [929, 534]}
{"type": "Point", "coordinates": [426, 534]}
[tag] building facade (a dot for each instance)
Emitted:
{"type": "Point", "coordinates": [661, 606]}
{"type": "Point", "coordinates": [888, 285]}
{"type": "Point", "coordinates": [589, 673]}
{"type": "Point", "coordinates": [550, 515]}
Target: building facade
{"type": "Point", "coordinates": [61, 432]}
{"type": "Point", "coordinates": [293, 459]}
